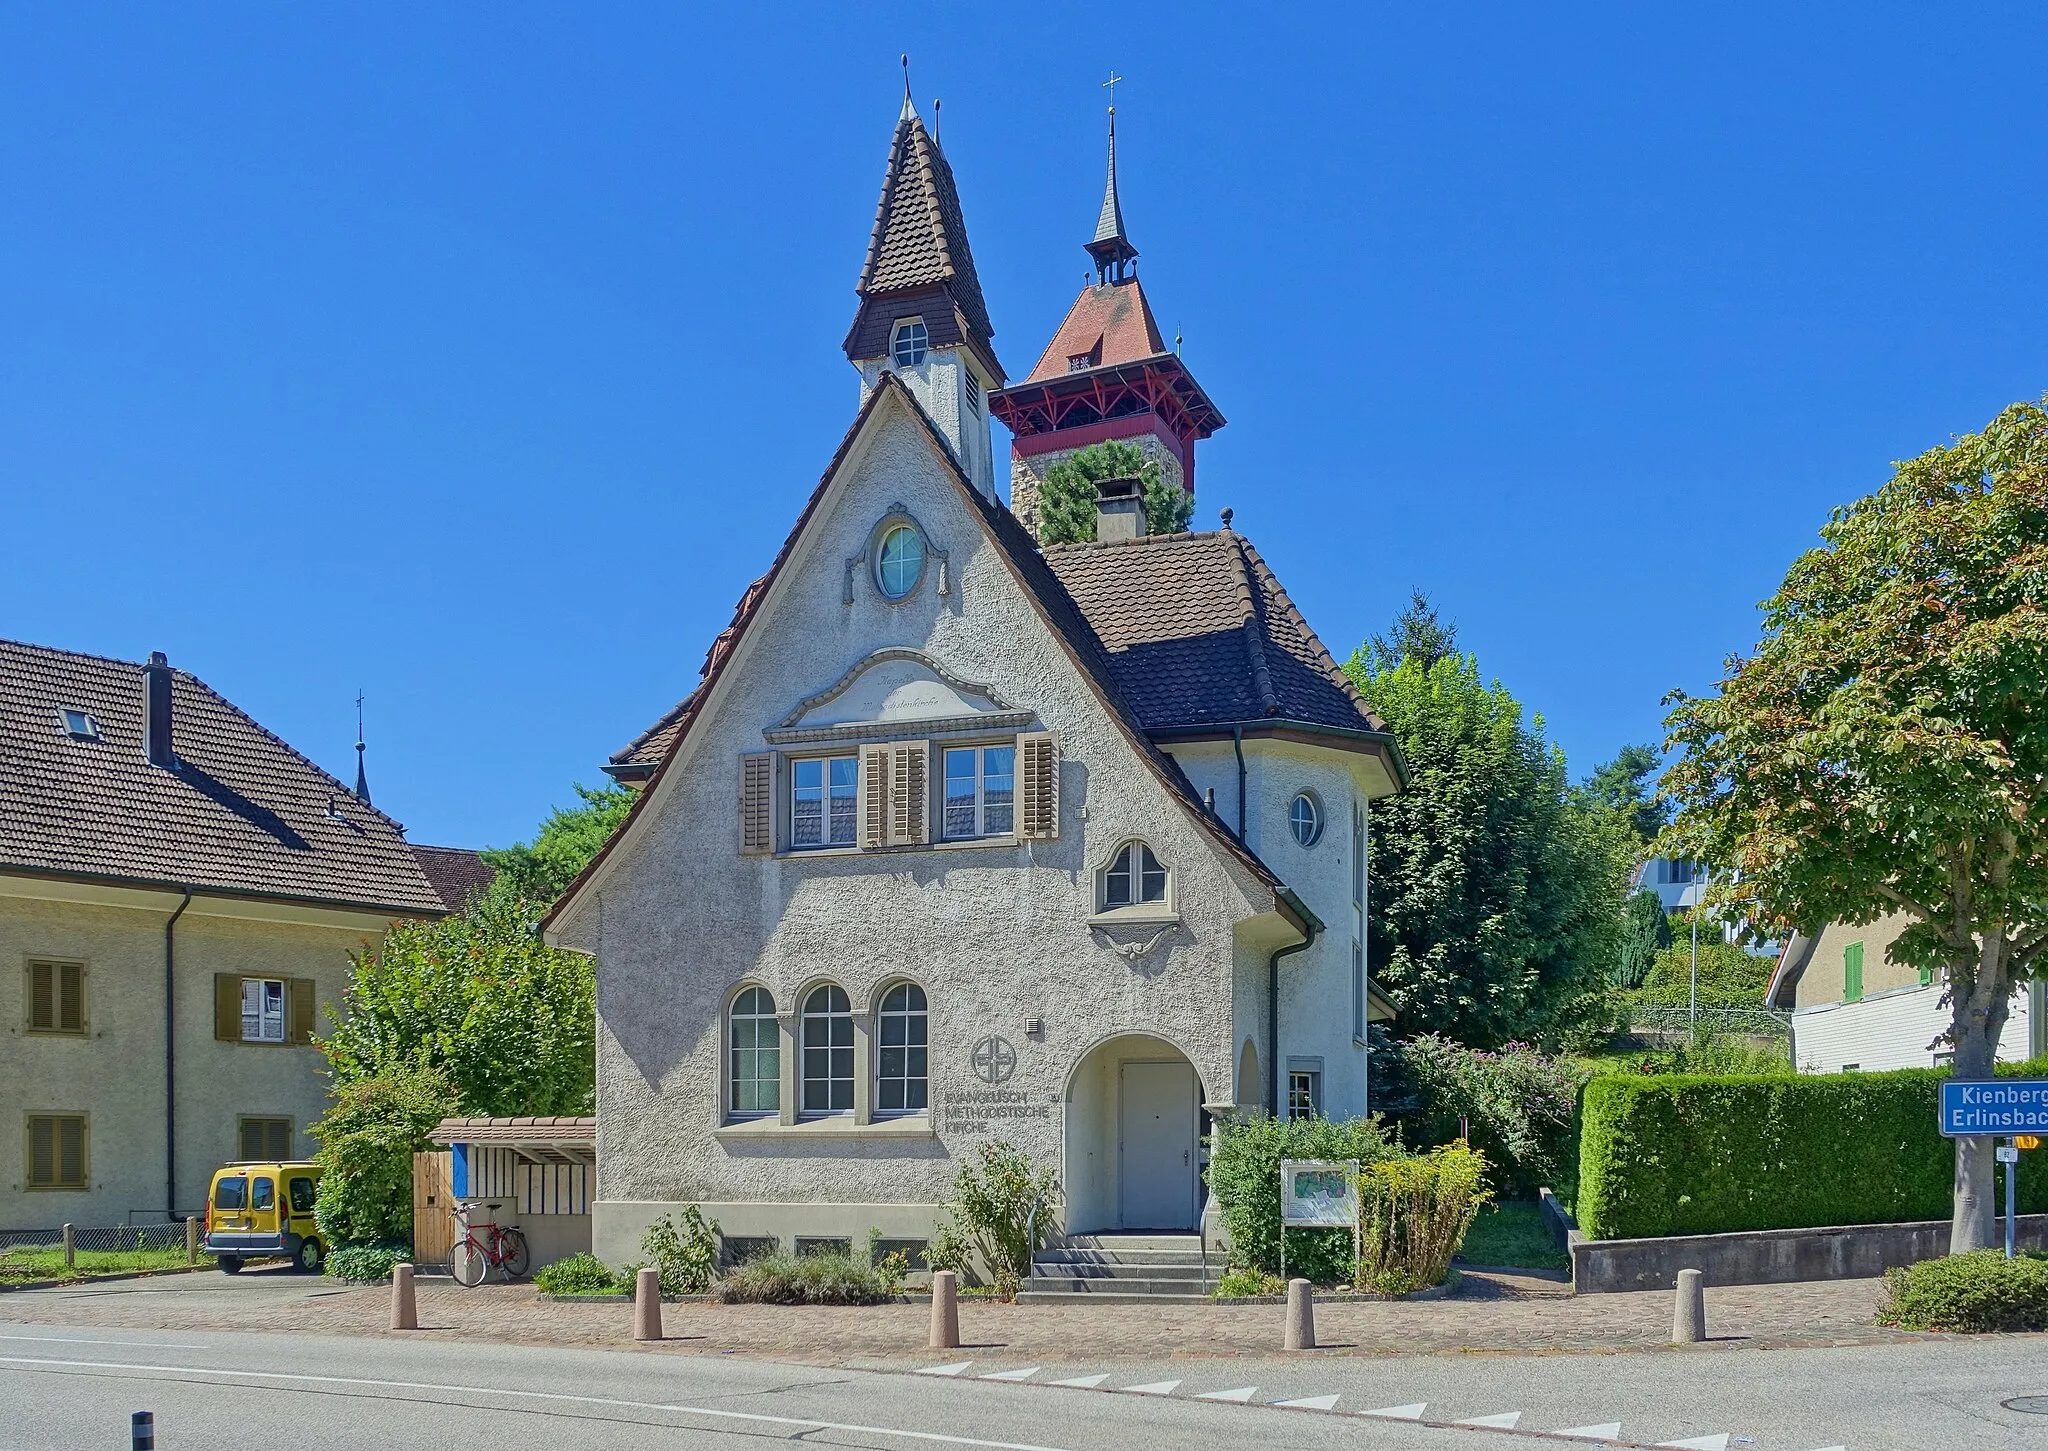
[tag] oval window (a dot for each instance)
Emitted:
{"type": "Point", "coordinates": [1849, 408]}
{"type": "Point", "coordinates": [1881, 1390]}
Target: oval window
{"type": "Point", "coordinates": [901, 561]}
{"type": "Point", "coordinates": [1305, 819]}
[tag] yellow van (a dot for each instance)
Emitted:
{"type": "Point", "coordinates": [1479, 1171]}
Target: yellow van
{"type": "Point", "coordinates": [264, 1212]}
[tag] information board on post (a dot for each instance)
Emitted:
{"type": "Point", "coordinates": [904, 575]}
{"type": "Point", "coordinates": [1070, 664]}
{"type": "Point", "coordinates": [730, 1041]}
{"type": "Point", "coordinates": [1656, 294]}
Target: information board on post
{"type": "Point", "coordinates": [1971, 1108]}
{"type": "Point", "coordinates": [1318, 1194]}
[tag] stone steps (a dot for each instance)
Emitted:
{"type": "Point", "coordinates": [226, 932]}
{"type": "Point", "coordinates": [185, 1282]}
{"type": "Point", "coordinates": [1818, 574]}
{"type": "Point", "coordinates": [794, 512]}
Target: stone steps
{"type": "Point", "coordinates": [1122, 1267]}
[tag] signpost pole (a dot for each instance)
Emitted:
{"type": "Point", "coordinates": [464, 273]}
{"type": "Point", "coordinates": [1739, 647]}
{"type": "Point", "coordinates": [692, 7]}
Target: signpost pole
{"type": "Point", "coordinates": [2012, 1166]}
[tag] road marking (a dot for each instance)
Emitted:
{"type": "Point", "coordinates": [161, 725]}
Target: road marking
{"type": "Point", "coordinates": [946, 1369]}
{"type": "Point", "coordinates": [1153, 1388]}
{"type": "Point", "coordinates": [1399, 1413]}
{"type": "Point", "coordinates": [1834, 1448]}
{"type": "Point", "coordinates": [1310, 1403]}
{"type": "Point", "coordinates": [1716, 1442]}
{"type": "Point", "coordinates": [1085, 1382]}
{"type": "Point", "coordinates": [709, 1412]}
{"type": "Point", "coordinates": [1605, 1431]}
{"type": "Point", "coordinates": [138, 1344]}
{"type": "Point", "coordinates": [1025, 1374]}
{"type": "Point", "coordinates": [1505, 1421]}
{"type": "Point", "coordinates": [1237, 1397]}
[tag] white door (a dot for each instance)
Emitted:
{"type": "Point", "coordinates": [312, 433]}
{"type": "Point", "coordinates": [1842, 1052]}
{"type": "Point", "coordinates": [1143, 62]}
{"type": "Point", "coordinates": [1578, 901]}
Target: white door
{"type": "Point", "coordinates": [1156, 1146]}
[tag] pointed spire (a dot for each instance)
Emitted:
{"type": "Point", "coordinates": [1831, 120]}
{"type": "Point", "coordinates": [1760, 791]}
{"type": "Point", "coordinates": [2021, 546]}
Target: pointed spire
{"type": "Point", "coordinates": [362, 776]}
{"type": "Point", "coordinates": [1111, 247]}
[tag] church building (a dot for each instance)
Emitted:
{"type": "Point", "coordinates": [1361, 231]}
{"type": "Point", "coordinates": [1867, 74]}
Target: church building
{"type": "Point", "coordinates": [965, 835]}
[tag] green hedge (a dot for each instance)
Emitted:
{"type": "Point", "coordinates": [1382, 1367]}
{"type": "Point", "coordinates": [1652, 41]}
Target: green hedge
{"type": "Point", "coordinates": [1692, 1154]}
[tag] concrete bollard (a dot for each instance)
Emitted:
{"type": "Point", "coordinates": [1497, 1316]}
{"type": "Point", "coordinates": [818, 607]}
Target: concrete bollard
{"type": "Point", "coordinates": [1301, 1315]}
{"type": "Point", "coordinates": [191, 1239]}
{"type": "Point", "coordinates": [70, 1248]}
{"type": "Point", "coordinates": [945, 1310]}
{"type": "Point", "coordinates": [142, 1431]}
{"type": "Point", "coordinates": [1689, 1315]}
{"type": "Point", "coordinates": [647, 1304]}
{"type": "Point", "coordinates": [405, 1307]}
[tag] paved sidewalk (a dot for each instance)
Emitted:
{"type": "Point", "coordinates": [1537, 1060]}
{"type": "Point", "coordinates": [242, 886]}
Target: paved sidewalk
{"type": "Point", "coordinates": [1497, 1316]}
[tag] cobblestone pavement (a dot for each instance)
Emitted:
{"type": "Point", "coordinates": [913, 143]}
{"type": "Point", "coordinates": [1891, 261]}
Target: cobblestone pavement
{"type": "Point", "coordinates": [1495, 1315]}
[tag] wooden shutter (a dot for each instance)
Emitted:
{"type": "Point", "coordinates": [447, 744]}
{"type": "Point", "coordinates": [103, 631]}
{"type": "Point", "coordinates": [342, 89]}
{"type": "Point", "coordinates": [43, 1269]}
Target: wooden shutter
{"type": "Point", "coordinates": [757, 805]}
{"type": "Point", "coordinates": [71, 1151]}
{"type": "Point", "coordinates": [300, 996]}
{"type": "Point", "coordinates": [1038, 785]}
{"type": "Point", "coordinates": [227, 1007]}
{"type": "Point", "coordinates": [909, 792]}
{"type": "Point", "coordinates": [70, 997]}
{"type": "Point", "coordinates": [42, 1005]}
{"type": "Point", "coordinates": [874, 797]}
{"type": "Point", "coordinates": [42, 1151]}
{"type": "Point", "coordinates": [252, 1140]}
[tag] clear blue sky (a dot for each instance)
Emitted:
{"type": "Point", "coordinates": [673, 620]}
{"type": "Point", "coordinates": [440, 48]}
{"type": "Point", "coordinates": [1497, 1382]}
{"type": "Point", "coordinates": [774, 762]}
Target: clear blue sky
{"type": "Point", "coordinates": [477, 356]}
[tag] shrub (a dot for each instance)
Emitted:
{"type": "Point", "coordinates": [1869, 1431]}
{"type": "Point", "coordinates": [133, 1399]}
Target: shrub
{"type": "Point", "coordinates": [366, 1261]}
{"type": "Point", "coordinates": [685, 1253]}
{"type": "Point", "coordinates": [809, 1279]}
{"type": "Point", "coordinates": [1244, 1284]}
{"type": "Point", "coordinates": [1066, 499]}
{"type": "Point", "coordinates": [1730, 976]}
{"type": "Point", "coordinates": [1685, 1154]}
{"type": "Point", "coordinates": [367, 1140]}
{"type": "Point", "coordinates": [580, 1274]}
{"type": "Point", "coordinates": [892, 1268]}
{"type": "Point", "coordinates": [1515, 1106]}
{"type": "Point", "coordinates": [991, 1215]}
{"type": "Point", "coordinates": [1413, 1214]}
{"type": "Point", "coordinates": [1973, 1293]}
{"type": "Point", "coordinates": [1244, 1175]}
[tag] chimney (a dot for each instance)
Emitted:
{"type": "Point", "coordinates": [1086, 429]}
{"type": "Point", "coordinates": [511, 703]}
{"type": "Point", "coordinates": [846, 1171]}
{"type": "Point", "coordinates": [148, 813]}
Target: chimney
{"type": "Point", "coordinates": [1119, 510]}
{"type": "Point", "coordinates": [156, 711]}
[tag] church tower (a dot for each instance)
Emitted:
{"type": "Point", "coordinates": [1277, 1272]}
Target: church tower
{"type": "Point", "coordinates": [921, 313]}
{"type": "Point", "coordinates": [1106, 374]}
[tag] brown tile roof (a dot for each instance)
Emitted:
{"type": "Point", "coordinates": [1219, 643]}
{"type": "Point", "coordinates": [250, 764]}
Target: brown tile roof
{"type": "Point", "coordinates": [1109, 324]}
{"type": "Point", "coordinates": [559, 1129]}
{"type": "Point", "coordinates": [920, 235]}
{"type": "Point", "coordinates": [1198, 632]}
{"type": "Point", "coordinates": [455, 872]}
{"type": "Point", "coordinates": [242, 812]}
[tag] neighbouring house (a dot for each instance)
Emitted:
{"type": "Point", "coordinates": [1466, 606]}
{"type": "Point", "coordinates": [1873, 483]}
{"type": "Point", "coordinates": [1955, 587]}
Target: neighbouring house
{"type": "Point", "coordinates": [179, 894]}
{"type": "Point", "coordinates": [962, 837]}
{"type": "Point", "coordinates": [1680, 885]}
{"type": "Point", "coordinates": [1853, 1009]}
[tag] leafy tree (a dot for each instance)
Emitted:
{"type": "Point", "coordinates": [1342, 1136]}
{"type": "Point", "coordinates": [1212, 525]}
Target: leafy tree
{"type": "Point", "coordinates": [1417, 632]}
{"type": "Point", "coordinates": [1885, 747]}
{"type": "Point", "coordinates": [1066, 500]}
{"type": "Point", "coordinates": [1644, 930]}
{"type": "Point", "coordinates": [1626, 785]}
{"type": "Point", "coordinates": [563, 846]}
{"type": "Point", "coordinates": [367, 1140]}
{"type": "Point", "coordinates": [1494, 894]}
{"type": "Point", "coordinates": [1730, 976]}
{"type": "Point", "coordinates": [478, 997]}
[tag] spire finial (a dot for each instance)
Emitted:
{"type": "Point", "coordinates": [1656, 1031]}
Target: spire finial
{"type": "Point", "coordinates": [1111, 247]}
{"type": "Point", "coordinates": [362, 776]}
{"type": "Point", "coordinates": [935, 120]}
{"type": "Point", "coordinates": [909, 109]}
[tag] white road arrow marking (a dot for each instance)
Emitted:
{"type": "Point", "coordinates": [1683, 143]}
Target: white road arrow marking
{"type": "Point", "coordinates": [1505, 1421]}
{"type": "Point", "coordinates": [1238, 1396]}
{"type": "Point", "coordinates": [1605, 1431]}
{"type": "Point", "coordinates": [946, 1369]}
{"type": "Point", "coordinates": [1716, 1442]}
{"type": "Point", "coordinates": [1085, 1382]}
{"type": "Point", "coordinates": [1025, 1374]}
{"type": "Point", "coordinates": [1310, 1403]}
{"type": "Point", "coordinates": [1153, 1388]}
{"type": "Point", "coordinates": [1399, 1413]}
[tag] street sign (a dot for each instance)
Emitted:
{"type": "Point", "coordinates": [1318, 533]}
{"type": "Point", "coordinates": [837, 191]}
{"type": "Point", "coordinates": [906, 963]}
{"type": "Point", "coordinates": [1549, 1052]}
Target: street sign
{"type": "Point", "coordinates": [2008, 1154]}
{"type": "Point", "coordinates": [2026, 1141]}
{"type": "Point", "coordinates": [1984, 1107]}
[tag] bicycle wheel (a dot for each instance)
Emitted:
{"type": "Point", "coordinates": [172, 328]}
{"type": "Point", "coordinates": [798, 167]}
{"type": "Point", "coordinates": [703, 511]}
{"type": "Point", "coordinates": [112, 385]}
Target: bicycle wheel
{"type": "Point", "coordinates": [516, 1258]}
{"type": "Point", "coordinates": [469, 1264]}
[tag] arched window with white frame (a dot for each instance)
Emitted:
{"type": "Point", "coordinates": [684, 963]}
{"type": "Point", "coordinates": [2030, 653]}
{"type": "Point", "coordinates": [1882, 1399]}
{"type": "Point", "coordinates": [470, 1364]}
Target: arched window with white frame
{"type": "Point", "coordinates": [827, 1051]}
{"type": "Point", "coordinates": [1134, 879]}
{"type": "Point", "coordinates": [900, 1084]}
{"type": "Point", "coordinates": [756, 1054]}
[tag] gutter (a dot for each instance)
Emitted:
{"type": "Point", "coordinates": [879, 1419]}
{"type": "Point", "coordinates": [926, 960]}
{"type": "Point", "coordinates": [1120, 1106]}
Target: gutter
{"type": "Point", "coordinates": [1276, 725]}
{"type": "Point", "coordinates": [171, 1059]}
{"type": "Point", "coordinates": [1311, 927]}
{"type": "Point", "coordinates": [226, 893]}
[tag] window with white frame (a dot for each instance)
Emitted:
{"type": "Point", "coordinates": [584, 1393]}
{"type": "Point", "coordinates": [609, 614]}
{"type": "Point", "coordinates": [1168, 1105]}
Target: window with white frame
{"type": "Point", "coordinates": [756, 1054]}
{"type": "Point", "coordinates": [911, 340]}
{"type": "Point", "coordinates": [828, 1051]}
{"type": "Point", "coordinates": [981, 791]}
{"type": "Point", "coordinates": [824, 801]}
{"type": "Point", "coordinates": [900, 1067]}
{"type": "Point", "coordinates": [1134, 878]}
{"type": "Point", "coordinates": [262, 1010]}
{"type": "Point", "coordinates": [1304, 1092]}
{"type": "Point", "coordinates": [1305, 818]}
{"type": "Point", "coordinates": [899, 564]}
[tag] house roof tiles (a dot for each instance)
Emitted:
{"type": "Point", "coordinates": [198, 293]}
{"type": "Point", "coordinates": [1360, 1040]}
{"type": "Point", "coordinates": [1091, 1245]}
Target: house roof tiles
{"type": "Point", "coordinates": [920, 235]}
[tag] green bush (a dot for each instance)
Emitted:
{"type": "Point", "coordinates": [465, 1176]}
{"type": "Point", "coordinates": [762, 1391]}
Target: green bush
{"type": "Point", "coordinates": [1244, 1175]}
{"type": "Point", "coordinates": [1413, 1215]}
{"type": "Point", "coordinates": [809, 1279]}
{"type": "Point", "coordinates": [1690, 1154]}
{"type": "Point", "coordinates": [1974, 1293]}
{"type": "Point", "coordinates": [367, 1140]}
{"type": "Point", "coordinates": [991, 1215]}
{"type": "Point", "coordinates": [685, 1253]}
{"type": "Point", "coordinates": [1515, 1106]}
{"type": "Point", "coordinates": [580, 1274]}
{"type": "Point", "coordinates": [366, 1261]}
{"type": "Point", "coordinates": [1730, 976]}
{"type": "Point", "coordinates": [1244, 1284]}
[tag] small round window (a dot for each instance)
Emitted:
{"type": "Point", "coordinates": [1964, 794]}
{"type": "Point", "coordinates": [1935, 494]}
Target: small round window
{"type": "Point", "coordinates": [911, 342]}
{"type": "Point", "coordinates": [901, 562]}
{"type": "Point", "coordinates": [1305, 819]}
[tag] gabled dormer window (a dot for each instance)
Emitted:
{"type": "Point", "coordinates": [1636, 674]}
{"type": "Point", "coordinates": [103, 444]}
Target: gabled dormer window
{"type": "Point", "coordinates": [910, 341]}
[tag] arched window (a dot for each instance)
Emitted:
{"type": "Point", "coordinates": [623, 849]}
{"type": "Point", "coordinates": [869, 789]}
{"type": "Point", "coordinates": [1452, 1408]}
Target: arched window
{"type": "Point", "coordinates": [756, 1053]}
{"type": "Point", "coordinates": [828, 1051]}
{"type": "Point", "coordinates": [1135, 877]}
{"type": "Point", "coordinates": [900, 1069]}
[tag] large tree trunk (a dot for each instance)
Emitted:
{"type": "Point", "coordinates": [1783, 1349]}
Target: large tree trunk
{"type": "Point", "coordinates": [1982, 1001]}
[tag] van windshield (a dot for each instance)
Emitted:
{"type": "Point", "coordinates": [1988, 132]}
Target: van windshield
{"type": "Point", "coordinates": [231, 1194]}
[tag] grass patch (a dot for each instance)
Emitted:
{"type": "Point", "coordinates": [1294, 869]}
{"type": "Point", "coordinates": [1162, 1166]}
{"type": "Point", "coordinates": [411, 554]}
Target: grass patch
{"type": "Point", "coordinates": [1512, 1234]}
{"type": "Point", "coordinates": [38, 1263]}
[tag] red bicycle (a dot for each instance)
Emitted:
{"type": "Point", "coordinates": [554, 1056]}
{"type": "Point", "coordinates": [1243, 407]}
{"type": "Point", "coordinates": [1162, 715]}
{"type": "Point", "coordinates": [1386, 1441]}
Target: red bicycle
{"type": "Point", "coordinates": [501, 1245]}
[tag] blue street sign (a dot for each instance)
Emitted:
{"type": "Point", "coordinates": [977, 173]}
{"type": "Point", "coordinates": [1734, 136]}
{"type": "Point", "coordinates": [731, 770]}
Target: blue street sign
{"type": "Point", "coordinates": [1983, 1107]}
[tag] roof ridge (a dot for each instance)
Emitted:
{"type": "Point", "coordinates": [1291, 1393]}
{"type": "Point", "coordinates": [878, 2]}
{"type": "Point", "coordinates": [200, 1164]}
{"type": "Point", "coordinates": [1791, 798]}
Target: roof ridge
{"type": "Point", "coordinates": [1339, 676]}
{"type": "Point", "coordinates": [1179, 536]}
{"type": "Point", "coordinates": [1254, 631]}
{"type": "Point", "coordinates": [73, 654]}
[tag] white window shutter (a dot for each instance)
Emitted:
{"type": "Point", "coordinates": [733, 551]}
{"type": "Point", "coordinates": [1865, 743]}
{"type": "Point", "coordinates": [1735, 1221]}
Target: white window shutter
{"type": "Point", "coordinates": [757, 805]}
{"type": "Point", "coordinates": [1038, 785]}
{"type": "Point", "coordinates": [874, 797]}
{"type": "Point", "coordinates": [909, 792]}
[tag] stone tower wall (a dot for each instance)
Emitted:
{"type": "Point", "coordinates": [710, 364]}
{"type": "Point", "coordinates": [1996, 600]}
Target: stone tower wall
{"type": "Point", "coordinates": [1027, 474]}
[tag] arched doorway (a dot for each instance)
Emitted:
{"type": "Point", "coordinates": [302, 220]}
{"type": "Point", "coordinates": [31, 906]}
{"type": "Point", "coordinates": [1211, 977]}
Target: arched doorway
{"type": "Point", "coordinates": [1133, 1138]}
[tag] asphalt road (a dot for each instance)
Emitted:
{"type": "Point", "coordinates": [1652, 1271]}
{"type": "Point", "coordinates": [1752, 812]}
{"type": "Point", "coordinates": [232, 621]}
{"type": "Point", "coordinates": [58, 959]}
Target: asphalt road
{"type": "Point", "coordinates": [74, 1387]}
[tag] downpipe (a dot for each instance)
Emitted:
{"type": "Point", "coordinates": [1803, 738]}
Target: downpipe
{"type": "Point", "coordinates": [1273, 1013]}
{"type": "Point", "coordinates": [171, 1059]}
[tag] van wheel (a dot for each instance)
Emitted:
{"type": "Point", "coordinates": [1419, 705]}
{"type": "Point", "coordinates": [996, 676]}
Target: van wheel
{"type": "Point", "coordinates": [308, 1259]}
{"type": "Point", "coordinates": [231, 1264]}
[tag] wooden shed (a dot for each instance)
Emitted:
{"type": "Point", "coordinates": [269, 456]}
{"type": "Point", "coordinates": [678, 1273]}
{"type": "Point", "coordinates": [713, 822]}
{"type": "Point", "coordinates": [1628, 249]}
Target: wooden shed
{"type": "Point", "coordinates": [539, 1173]}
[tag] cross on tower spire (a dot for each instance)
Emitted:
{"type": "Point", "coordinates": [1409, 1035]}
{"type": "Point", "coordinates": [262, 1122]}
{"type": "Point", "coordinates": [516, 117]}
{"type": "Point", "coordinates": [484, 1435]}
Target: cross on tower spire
{"type": "Point", "coordinates": [1111, 247]}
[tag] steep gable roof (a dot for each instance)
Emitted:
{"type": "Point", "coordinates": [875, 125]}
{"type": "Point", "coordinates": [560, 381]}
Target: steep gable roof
{"type": "Point", "coordinates": [920, 235]}
{"type": "Point", "coordinates": [240, 813]}
{"type": "Point", "coordinates": [1109, 323]}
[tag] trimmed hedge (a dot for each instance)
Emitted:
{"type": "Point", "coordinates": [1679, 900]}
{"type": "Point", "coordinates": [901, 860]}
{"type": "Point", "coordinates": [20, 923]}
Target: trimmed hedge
{"type": "Point", "coordinates": [1691, 1154]}
{"type": "Point", "coordinates": [1974, 1294]}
